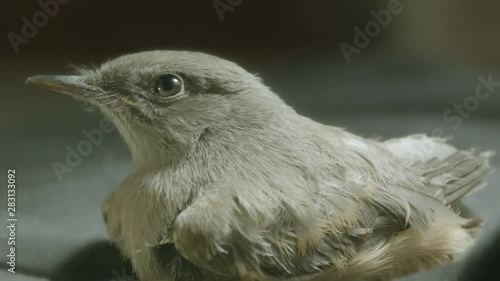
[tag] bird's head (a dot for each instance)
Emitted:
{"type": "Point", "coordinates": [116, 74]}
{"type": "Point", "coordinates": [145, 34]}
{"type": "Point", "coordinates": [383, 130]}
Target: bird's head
{"type": "Point", "coordinates": [167, 100]}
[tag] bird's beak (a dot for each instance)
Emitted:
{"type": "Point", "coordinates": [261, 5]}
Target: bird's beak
{"type": "Point", "coordinates": [66, 84]}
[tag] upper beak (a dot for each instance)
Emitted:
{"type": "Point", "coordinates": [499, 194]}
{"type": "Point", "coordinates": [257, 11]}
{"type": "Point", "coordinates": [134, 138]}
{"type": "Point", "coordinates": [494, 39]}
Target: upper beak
{"type": "Point", "coordinates": [66, 84]}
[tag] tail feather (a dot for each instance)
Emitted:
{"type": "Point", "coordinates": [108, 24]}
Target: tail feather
{"type": "Point", "coordinates": [460, 174]}
{"type": "Point", "coordinates": [451, 173]}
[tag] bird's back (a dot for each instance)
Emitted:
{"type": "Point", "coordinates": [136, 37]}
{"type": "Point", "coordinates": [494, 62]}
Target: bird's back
{"type": "Point", "coordinates": [387, 204]}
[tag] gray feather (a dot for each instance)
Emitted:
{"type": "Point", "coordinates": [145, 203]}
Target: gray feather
{"type": "Point", "coordinates": [230, 183]}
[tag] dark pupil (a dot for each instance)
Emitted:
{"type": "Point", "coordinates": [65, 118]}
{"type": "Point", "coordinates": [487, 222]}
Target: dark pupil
{"type": "Point", "coordinates": [168, 83]}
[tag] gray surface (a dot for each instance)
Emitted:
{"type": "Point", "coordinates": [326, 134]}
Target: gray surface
{"type": "Point", "coordinates": [60, 230]}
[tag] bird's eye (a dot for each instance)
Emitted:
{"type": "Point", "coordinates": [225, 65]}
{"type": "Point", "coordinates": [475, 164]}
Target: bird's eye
{"type": "Point", "coordinates": [169, 85]}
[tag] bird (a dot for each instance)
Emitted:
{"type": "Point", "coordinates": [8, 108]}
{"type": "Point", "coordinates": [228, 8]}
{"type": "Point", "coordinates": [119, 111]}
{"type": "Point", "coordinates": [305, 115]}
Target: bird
{"type": "Point", "coordinates": [230, 183]}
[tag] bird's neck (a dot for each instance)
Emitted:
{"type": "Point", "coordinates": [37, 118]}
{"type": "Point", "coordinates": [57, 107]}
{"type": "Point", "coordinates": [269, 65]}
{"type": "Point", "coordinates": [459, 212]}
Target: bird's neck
{"type": "Point", "coordinates": [152, 150]}
{"type": "Point", "coordinates": [172, 145]}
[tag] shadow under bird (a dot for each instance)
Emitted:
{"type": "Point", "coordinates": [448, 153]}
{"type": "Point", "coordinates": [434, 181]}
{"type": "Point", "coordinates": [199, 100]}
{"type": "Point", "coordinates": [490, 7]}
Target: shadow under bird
{"type": "Point", "coordinates": [230, 183]}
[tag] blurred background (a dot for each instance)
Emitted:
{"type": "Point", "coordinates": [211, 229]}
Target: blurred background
{"type": "Point", "coordinates": [378, 68]}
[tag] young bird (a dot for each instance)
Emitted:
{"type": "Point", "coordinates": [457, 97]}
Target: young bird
{"type": "Point", "coordinates": [230, 183]}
